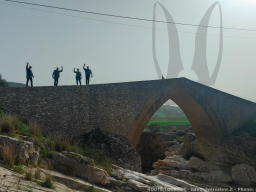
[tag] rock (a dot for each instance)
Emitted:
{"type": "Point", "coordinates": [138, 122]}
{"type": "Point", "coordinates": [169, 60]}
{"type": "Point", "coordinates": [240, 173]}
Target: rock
{"type": "Point", "coordinates": [244, 175]}
{"type": "Point", "coordinates": [198, 165]}
{"type": "Point", "coordinates": [78, 157]}
{"type": "Point", "coordinates": [114, 146]}
{"type": "Point", "coordinates": [117, 172]}
{"type": "Point", "coordinates": [26, 138]}
{"type": "Point", "coordinates": [173, 162]}
{"type": "Point", "coordinates": [177, 182]}
{"type": "Point", "coordinates": [152, 147]}
{"type": "Point", "coordinates": [24, 149]}
{"type": "Point", "coordinates": [180, 133]}
{"type": "Point", "coordinates": [135, 185]}
{"type": "Point", "coordinates": [115, 183]}
{"type": "Point", "coordinates": [34, 158]}
{"type": "Point", "coordinates": [177, 149]}
{"type": "Point", "coordinates": [210, 177]}
{"type": "Point", "coordinates": [83, 170]}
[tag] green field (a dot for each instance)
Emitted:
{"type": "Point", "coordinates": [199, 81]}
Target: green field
{"type": "Point", "coordinates": [169, 122]}
{"type": "Point", "coordinates": [168, 115]}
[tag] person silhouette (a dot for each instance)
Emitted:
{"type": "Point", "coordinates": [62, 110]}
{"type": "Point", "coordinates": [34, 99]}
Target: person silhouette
{"type": "Point", "coordinates": [29, 75]}
{"type": "Point", "coordinates": [78, 76]}
{"type": "Point", "coordinates": [56, 75]}
{"type": "Point", "coordinates": [88, 72]}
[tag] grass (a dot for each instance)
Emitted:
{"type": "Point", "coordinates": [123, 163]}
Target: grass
{"type": "Point", "coordinates": [48, 182]}
{"type": "Point", "coordinates": [28, 175]}
{"type": "Point", "coordinates": [18, 169]}
{"type": "Point", "coordinates": [100, 160]}
{"type": "Point", "coordinates": [34, 129]}
{"type": "Point", "coordinates": [9, 155]}
{"type": "Point", "coordinates": [37, 173]}
{"type": "Point", "coordinates": [6, 125]}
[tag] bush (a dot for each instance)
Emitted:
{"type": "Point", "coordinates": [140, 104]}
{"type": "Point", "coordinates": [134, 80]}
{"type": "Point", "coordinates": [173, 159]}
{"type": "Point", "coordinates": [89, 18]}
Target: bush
{"type": "Point", "coordinates": [34, 129]}
{"type": "Point", "coordinates": [37, 173]}
{"type": "Point", "coordinates": [74, 148]}
{"type": "Point", "coordinates": [154, 128]}
{"type": "Point", "coordinates": [61, 144]}
{"type": "Point", "coordinates": [6, 125]}
{"type": "Point", "coordinates": [3, 82]}
{"type": "Point", "coordinates": [48, 181]}
{"type": "Point", "coordinates": [18, 168]}
{"type": "Point", "coordinates": [9, 155]}
{"type": "Point", "coordinates": [28, 175]}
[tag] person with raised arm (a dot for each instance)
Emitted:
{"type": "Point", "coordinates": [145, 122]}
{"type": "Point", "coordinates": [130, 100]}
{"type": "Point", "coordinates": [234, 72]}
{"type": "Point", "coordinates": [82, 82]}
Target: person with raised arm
{"type": "Point", "coordinates": [56, 75]}
{"type": "Point", "coordinates": [88, 72]}
{"type": "Point", "coordinates": [29, 75]}
{"type": "Point", "coordinates": [78, 76]}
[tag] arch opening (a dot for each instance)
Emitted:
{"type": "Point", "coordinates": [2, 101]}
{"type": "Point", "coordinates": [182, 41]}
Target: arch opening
{"type": "Point", "coordinates": [198, 114]}
{"type": "Point", "coordinates": [203, 120]}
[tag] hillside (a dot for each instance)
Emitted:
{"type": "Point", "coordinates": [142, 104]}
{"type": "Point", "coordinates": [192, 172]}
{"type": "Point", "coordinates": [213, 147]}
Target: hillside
{"type": "Point", "coordinates": [168, 115]}
{"type": "Point", "coordinates": [13, 84]}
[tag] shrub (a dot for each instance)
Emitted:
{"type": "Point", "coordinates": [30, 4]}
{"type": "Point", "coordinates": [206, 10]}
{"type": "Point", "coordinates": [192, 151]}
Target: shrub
{"type": "Point", "coordinates": [3, 82]}
{"type": "Point", "coordinates": [74, 148]}
{"type": "Point", "coordinates": [28, 175]}
{"type": "Point", "coordinates": [61, 144]}
{"type": "Point", "coordinates": [37, 173]}
{"type": "Point", "coordinates": [6, 125]}
{"type": "Point", "coordinates": [48, 181]}
{"type": "Point", "coordinates": [154, 128]}
{"type": "Point", "coordinates": [34, 129]}
{"type": "Point", "coordinates": [51, 143]}
{"type": "Point", "coordinates": [9, 155]}
{"type": "Point", "coordinates": [18, 168]}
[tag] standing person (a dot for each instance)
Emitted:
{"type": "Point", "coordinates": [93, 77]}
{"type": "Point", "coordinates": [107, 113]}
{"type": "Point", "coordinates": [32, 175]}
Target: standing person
{"type": "Point", "coordinates": [56, 75]}
{"type": "Point", "coordinates": [29, 75]}
{"type": "Point", "coordinates": [88, 72]}
{"type": "Point", "coordinates": [78, 76]}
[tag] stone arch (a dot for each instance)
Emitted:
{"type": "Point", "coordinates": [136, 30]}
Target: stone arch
{"type": "Point", "coordinates": [202, 118]}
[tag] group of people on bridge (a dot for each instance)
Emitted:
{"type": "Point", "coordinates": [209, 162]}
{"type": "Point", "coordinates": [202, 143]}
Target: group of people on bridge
{"type": "Point", "coordinates": [56, 75]}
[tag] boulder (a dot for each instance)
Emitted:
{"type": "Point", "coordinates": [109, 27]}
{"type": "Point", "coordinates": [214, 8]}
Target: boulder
{"type": "Point", "coordinates": [209, 177]}
{"type": "Point", "coordinates": [198, 165]}
{"type": "Point", "coordinates": [244, 175]}
{"type": "Point", "coordinates": [34, 158]}
{"type": "Point", "coordinates": [23, 149]}
{"type": "Point", "coordinates": [177, 149]}
{"type": "Point", "coordinates": [82, 169]}
{"type": "Point", "coordinates": [180, 133]}
{"type": "Point", "coordinates": [137, 186]}
{"type": "Point", "coordinates": [26, 138]}
{"type": "Point", "coordinates": [177, 182]}
{"type": "Point", "coordinates": [173, 162]}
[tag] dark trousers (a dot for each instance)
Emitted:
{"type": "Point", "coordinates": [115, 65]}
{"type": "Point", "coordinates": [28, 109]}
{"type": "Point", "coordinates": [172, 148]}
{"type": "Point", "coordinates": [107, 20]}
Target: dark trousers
{"type": "Point", "coordinates": [87, 79]}
{"type": "Point", "coordinates": [56, 81]}
{"type": "Point", "coordinates": [78, 80]}
{"type": "Point", "coordinates": [31, 81]}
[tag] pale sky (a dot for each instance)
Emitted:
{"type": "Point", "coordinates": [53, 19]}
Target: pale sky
{"type": "Point", "coordinates": [121, 53]}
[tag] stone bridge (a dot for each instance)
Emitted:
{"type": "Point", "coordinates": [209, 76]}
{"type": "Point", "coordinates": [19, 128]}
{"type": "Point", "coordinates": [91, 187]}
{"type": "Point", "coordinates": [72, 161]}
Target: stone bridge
{"type": "Point", "coordinates": [126, 108]}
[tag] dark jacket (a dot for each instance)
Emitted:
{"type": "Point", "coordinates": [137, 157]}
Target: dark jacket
{"type": "Point", "coordinates": [29, 72]}
{"type": "Point", "coordinates": [88, 72]}
{"type": "Point", "coordinates": [78, 74]}
{"type": "Point", "coordinates": [56, 74]}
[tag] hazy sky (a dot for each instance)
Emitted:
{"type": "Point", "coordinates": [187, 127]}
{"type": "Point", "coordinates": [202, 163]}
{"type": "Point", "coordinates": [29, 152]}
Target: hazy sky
{"type": "Point", "coordinates": [121, 53]}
